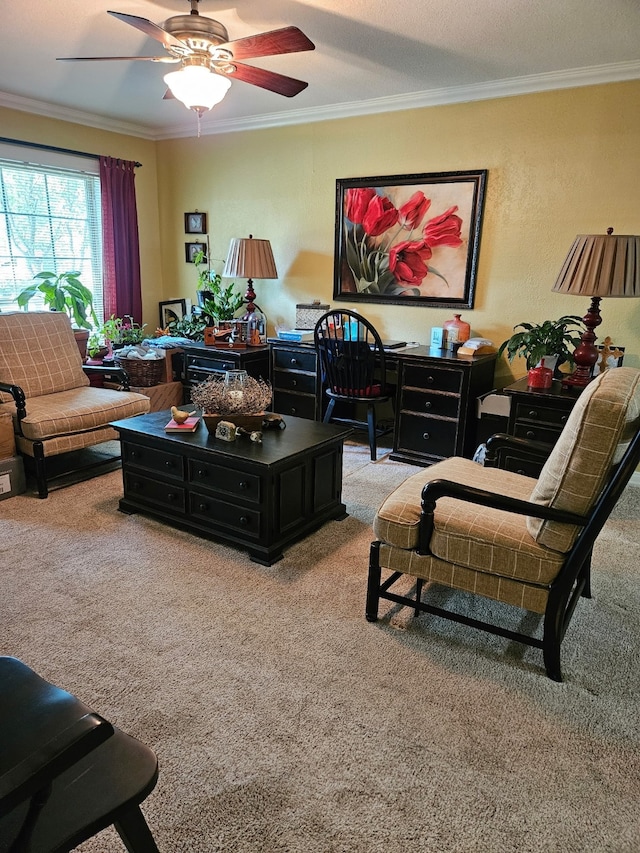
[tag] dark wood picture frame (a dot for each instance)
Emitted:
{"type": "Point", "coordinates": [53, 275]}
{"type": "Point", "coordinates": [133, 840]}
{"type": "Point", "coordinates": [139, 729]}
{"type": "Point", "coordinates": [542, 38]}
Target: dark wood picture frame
{"type": "Point", "coordinates": [192, 249]}
{"type": "Point", "coordinates": [172, 310]}
{"type": "Point", "coordinates": [195, 222]}
{"type": "Point", "coordinates": [409, 239]}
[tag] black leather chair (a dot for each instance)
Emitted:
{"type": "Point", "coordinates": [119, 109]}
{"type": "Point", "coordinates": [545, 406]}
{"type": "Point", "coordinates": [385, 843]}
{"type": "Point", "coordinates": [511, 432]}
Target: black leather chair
{"type": "Point", "coordinates": [353, 369]}
{"type": "Point", "coordinates": [65, 772]}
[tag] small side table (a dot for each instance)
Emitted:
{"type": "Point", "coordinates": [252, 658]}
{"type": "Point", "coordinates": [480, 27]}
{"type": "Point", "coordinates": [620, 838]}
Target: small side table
{"type": "Point", "coordinates": [538, 415]}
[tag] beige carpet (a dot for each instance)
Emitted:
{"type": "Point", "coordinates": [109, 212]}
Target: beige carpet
{"type": "Point", "coordinates": [283, 721]}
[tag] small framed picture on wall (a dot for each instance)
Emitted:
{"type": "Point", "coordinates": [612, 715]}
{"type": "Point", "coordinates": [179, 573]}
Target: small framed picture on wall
{"type": "Point", "coordinates": [192, 249]}
{"type": "Point", "coordinates": [195, 223]}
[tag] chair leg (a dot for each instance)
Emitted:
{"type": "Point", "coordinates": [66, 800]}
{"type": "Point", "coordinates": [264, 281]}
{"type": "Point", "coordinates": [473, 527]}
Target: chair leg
{"type": "Point", "coordinates": [371, 426]}
{"type": "Point", "coordinates": [373, 583]}
{"type": "Point", "coordinates": [586, 571]}
{"type": "Point", "coordinates": [134, 832]}
{"type": "Point", "coordinates": [41, 469]}
{"type": "Point", "coordinates": [329, 411]}
{"type": "Point", "coordinates": [419, 585]}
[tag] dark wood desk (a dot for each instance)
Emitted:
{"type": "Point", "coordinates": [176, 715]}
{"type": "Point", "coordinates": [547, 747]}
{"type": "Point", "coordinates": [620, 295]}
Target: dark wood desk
{"type": "Point", "coordinates": [201, 362]}
{"type": "Point", "coordinates": [435, 402]}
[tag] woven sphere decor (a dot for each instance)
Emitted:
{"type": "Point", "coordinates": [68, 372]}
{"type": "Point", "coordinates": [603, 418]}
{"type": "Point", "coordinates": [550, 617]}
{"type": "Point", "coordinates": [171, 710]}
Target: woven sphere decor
{"type": "Point", "coordinates": [215, 397]}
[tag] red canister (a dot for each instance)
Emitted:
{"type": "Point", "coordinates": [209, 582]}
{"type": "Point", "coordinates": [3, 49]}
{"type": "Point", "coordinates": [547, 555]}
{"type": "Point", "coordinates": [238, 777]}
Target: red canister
{"type": "Point", "coordinates": [540, 377]}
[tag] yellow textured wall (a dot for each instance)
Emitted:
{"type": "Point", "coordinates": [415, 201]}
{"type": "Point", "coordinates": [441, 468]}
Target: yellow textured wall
{"type": "Point", "coordinates": [15, 124]}
{"type": "Point", "coordinates": [560, 163]}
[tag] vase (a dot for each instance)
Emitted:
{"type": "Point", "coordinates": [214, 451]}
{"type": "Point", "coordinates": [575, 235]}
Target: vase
{"type": "Point", "coordinates": [458, 331]}
{"type": "Point", "coordinates": [540, 377]}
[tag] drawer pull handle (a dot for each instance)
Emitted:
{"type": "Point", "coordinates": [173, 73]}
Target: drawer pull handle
{"type": "Point", "coordinates": [293, 410]}
{"type": "Point", "coordinates": [244, 520]}
{"type": "Point", "coordinates": [168, 464]}
{"type": "Point", "coordinates": [294, 383]}
{"type": "Point", "coordinates": [294, 361]}
{"type": "Point", "coordinates": [426, 436]}
{"type": "Point", "coordinates": [202, 472]}
{"type": "Point", "coordinates": [171, 496]}
{"type": "Point", "coordinates": [244, 484]}
{"type": "Point", "coordinates": [427, 405]}
{"type": "Point", "coordinates": [530, 433]}
{"type": "Point", "coordinates": [533, 413]}
{"type": "Point", "coordinates": [203, 507]}
{"type": "Point", "coordinates": [137, 485]}
{"type": "Point", "coordinates": [133, 454]}
{"type": "Point", "coordinates": [429, 380]}
{"type": "Point", "coordinates": [563, 419]}
{"type": "Point", "coordinates": [521, 472]}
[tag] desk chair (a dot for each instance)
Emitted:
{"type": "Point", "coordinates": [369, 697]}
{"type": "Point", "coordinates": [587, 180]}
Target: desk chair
{"type": "Point", "coordinates": [498, 534]}
{"type": "Point", "coordinates": [353, 368]}
{"type": "Point", "coordinates": [65, 772]}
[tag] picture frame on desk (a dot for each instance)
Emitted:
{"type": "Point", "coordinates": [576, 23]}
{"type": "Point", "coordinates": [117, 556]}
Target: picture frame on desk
{"type": "Point", "coordinates": [173, 310]}
{"type": "Point", "coordinates": [409, 239]}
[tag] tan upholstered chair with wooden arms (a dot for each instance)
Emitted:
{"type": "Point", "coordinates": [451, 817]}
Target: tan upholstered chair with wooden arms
{"type": "Point", "coordinates": [517, 540]}
{"type": "Point", "coordinates": [44, 387]}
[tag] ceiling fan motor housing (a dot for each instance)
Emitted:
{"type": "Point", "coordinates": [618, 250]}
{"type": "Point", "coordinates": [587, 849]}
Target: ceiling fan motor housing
{"type": "Point", "coordinates": [196, 31]}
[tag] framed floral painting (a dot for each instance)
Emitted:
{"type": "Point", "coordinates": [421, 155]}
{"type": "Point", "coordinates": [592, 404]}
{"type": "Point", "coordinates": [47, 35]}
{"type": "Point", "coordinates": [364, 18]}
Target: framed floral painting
{"type": "Point", "coordinates": [409, 239]}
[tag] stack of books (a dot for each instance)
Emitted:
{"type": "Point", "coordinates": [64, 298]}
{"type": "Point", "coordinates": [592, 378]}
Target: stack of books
{"type": "Point", "coordinates": [190, 425]}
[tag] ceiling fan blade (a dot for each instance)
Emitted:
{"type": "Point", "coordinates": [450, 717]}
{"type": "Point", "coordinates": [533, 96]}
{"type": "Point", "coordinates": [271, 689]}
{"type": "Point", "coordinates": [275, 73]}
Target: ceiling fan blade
{"type": "Point", "coordinates": [286, 40]}
{"type": "Point", "coordinates": [278, 83]}
{"type": "Point", "coordinates": [117, 58]}
{"type": "Point", "coordinates": [153, 30]}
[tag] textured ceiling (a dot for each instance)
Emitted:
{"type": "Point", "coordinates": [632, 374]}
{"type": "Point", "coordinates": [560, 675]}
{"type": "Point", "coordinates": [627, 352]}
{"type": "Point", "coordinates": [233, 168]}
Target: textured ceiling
{"type": "Point", "coordinates": [371, 55]}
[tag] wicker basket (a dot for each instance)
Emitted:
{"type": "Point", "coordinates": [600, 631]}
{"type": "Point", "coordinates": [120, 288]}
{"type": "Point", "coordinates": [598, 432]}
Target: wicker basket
{"type": "Point", "coordinates": [143, 372]}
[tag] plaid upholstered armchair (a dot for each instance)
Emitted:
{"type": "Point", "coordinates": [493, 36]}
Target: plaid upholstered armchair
{"type": "Point", "coordinates": [44, 387]}
{"type": "Point", "coordinates": [520, 541]}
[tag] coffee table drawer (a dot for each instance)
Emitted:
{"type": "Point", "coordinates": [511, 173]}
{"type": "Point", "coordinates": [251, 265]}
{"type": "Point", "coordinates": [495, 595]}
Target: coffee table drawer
{"type": "Point", "coordinates": [159, 461]}
{"type": "Point", "coordinates": [218, 479]}
{"type": "Point", "coordinates": [154, 492]}
{"type": "Point", "coordinates": [219, 513]}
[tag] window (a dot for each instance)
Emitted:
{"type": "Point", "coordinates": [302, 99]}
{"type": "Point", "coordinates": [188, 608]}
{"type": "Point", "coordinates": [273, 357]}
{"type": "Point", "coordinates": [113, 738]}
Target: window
{"type": "Point", "coordinates": [50, 220]}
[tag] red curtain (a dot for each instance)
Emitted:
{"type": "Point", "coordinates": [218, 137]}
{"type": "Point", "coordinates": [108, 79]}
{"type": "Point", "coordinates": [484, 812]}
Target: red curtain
{"type": "Point", "coordinates": [120, 247]}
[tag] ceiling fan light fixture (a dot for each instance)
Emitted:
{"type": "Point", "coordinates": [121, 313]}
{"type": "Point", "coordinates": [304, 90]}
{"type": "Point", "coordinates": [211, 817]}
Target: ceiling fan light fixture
{"type": "Point", "coordinates": [197, 87]}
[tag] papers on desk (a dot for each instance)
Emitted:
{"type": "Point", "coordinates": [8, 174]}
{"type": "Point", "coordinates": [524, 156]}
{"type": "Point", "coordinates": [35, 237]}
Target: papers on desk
{"type": "Point", "coordinates": [298, 335]}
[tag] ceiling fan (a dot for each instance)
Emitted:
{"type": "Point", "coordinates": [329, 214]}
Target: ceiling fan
{"type": "Point", "coordinates": [208, 60]}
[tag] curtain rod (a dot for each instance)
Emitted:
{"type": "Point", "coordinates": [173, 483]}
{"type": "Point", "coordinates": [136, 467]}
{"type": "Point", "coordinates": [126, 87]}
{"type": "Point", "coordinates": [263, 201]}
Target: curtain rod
{"type": "Point", "coordinates": [22, 144]}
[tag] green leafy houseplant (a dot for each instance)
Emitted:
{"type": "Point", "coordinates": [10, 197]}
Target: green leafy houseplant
{"type": "Point", "coordinates": [62, 292]}
{"type": "Point", "coordinates": [120, 331]}
{"type": "Point", "coordinates": [552, 337]}
{"type": "Point", "coordinates": [218, 302]}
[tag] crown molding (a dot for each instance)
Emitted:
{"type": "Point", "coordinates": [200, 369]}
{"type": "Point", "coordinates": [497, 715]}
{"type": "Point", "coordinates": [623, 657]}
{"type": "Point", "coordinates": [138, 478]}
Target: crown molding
{"type": "Point", "coordinates": [55, 111]}
{"type": "Point", "coordinates": [592, 76]}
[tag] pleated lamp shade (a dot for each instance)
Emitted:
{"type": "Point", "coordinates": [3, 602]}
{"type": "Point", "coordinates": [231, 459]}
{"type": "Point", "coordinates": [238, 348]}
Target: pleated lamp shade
{"type": "Point", "coordinates": [601, 265]}
{"type": "Point", "coordinates": [249, 258]}
{"type": "Point", "coordinates": [597, 265]}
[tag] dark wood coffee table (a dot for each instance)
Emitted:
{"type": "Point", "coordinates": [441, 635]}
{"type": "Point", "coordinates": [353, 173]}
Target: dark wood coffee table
{"type": "Point", "coordinates": [260, 497]}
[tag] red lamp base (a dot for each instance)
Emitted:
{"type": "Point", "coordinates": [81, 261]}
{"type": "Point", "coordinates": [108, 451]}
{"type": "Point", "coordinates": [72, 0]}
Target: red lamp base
{"type": "Point", "coordinates": [586, 353]}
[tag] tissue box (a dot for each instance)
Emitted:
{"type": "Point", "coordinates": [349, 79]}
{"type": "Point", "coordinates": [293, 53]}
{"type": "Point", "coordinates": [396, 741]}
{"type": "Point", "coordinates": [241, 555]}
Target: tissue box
{"type": "Point", "coordinates": [12, 481]}
{"type": "Point", "coordinates": [307, 315]}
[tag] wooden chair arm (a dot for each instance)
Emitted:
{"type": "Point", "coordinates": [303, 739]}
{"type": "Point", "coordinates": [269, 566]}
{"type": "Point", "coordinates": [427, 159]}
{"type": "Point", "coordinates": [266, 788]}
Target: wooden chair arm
{"type": "Point", "coordinates": [19, 398]}
{"type": "Point", "coordinates": [117, 372]}
{"type": "Point", "coordinates": [500, 441]}
{"type": "Point", "coordinates": [436, 489]}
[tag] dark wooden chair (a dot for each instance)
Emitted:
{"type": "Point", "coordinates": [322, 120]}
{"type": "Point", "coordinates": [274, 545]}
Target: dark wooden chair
{"type": "Point", "coordinates": [65, 772]}
{"type": "Point", "coordinates": [353, 370]}
{"type": "Point", "coordinates": [515, 539]}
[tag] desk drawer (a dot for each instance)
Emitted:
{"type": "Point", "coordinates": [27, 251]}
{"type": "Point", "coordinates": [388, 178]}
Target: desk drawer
{"type": "Point", "coordinates": [151, 459]}
{"type": "Point", "coordinates": [432, 378]}
{"type": "Point", "coordinates": [224, 514]}
{"type": "Point", "coordinates": [295, 359]}
{"type": "Point", "coordinates": [290, 403]}
{"type": "Point", "coordinates": [533, 432]}
{"type": "Point", "coordinates": [154, 493]}
{"type": "Point", "coordinates": [428, 436]}
{"type": "Point", "coordinates": [541, 414]}
{"type": "Point", "coordinates": [445, 405]}
{"type": "Point", "coordinates": [217, 363]}
{"type": "Point", "coordinates": [290, 380]}
{"type": "Point", "coordinates": [237, 483]}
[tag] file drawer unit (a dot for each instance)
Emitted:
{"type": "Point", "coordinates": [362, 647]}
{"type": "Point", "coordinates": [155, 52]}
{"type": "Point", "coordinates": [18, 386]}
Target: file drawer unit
{"type": "Point", "coordinates": [536, 415]}
{"type": "Point", "coordinates": [297, 388]}
{"type": "Point", "coordinates": [436, 404]}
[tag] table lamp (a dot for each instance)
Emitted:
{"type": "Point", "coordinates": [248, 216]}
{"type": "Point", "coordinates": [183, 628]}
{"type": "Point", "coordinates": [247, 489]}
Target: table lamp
{"type": "Point", "coordinates": [249, 258]}
{"type": "Point", "coordinates": [597, 265]}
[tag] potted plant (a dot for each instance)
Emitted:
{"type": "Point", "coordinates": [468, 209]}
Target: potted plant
{"type": "Point", "coordinates": [64, 292]}
{"type": "Point", "coordinates": [119, 332]}
{"type": "Point", "coordinates": [552, 338]}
